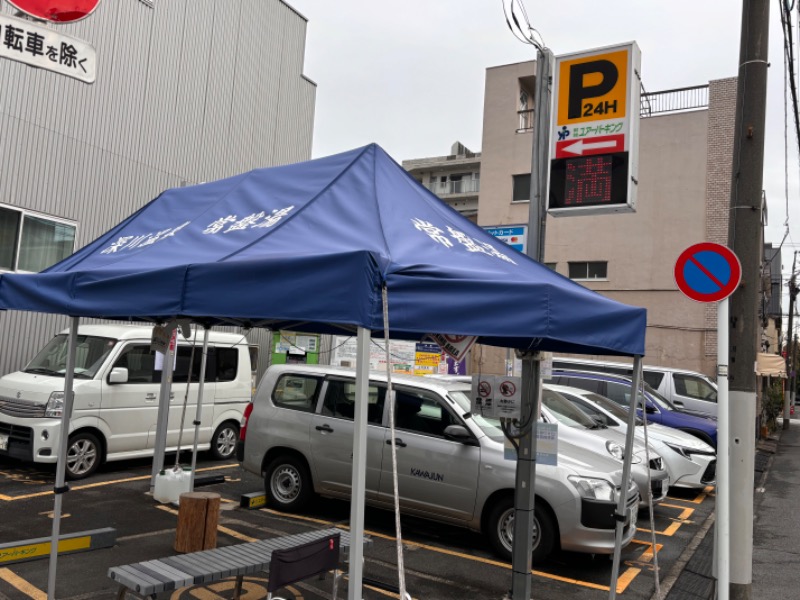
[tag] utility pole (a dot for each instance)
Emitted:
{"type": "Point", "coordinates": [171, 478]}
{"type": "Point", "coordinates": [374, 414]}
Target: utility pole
{"type": "Point", "coordinates": [745, 239]}
{"type": "Point", "coordinates": [787, 395]}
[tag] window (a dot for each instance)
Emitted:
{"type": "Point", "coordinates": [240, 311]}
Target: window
{"type": "Point", "coordinates": [421, 413]}
{"type": "Point", "coordinates": [694, 387]}
{"type": "Point", "coordinates": [140, 362]}
{"type": "Point", "coordinates": [340, 401]}
{"type": "Point", "coordinates": [588, 270]}
{"type": "Point", "coordinates": [522, 188]}
{"type": "Point", "coordinates": [31, 242]}
{"type": "Point", "coordinates": [298, 392]}
{"type": "Point", "coordinates": [653, 378]}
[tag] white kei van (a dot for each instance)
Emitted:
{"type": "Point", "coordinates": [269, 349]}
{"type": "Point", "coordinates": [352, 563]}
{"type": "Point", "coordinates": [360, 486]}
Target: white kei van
{"type": "Point", "coordinates": [116, 386]}
{"type": "Point", "coordinates": [688, 390]}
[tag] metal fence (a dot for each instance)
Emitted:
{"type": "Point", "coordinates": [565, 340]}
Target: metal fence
{"type": "Point", "coordinates": [464, 186]}
{"type": "Point", "coordinates": [677, 100]}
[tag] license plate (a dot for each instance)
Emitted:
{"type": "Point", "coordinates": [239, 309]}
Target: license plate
{"type": "Point", "coordinates": [634, 516]}
{"type": "Point", "coordinates": [3, 442]}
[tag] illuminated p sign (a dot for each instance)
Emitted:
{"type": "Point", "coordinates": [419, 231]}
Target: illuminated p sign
{"type": "Point", "coordinates": [594, 132]}
{"type": "Point", "coordinates": [592, 88]}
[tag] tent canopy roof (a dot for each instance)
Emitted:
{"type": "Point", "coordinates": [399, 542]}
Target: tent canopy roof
{"type": "Point", "coordinates": [308, 247]}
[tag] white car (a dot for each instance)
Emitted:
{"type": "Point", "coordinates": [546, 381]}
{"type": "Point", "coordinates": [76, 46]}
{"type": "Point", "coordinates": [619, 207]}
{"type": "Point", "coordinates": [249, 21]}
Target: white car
{"type": "Point", "coordinates": [577, 428]}
{"type": "Point", "coordinates": [691, 462]}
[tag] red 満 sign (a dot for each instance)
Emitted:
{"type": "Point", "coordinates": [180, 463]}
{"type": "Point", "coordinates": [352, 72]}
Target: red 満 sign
{"type": "Point", "coordinates": [56, 11]}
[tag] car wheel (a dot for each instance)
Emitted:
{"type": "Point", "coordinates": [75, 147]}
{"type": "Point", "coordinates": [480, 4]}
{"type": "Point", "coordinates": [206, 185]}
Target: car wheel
{"type": "Point", "coordinates": [288, 483]}
{"type": "Point", "coordinates": [84, 455]}
{"type": "Point", "coordinates": [501, 530]}
{"type": "Point", "coordinates": [223, 443]}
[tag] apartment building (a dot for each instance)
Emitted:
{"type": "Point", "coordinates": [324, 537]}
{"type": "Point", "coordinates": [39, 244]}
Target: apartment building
{"type": "Point", "coordinates": [685, 154]}
{"type": "Point", "coordinates": [185, 92]}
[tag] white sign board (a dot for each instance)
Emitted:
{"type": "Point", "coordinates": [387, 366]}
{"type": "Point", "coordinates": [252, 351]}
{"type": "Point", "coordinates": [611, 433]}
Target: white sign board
{"type": "Point", "coordinates": [43, 48]}
{"type": "Point", "coordinates": [594, 132]}
{"type": "Point", "coordinates": [498, 397]}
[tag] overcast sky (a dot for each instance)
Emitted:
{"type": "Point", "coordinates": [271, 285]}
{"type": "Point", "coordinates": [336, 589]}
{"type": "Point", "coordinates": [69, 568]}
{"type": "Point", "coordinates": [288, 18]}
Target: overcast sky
{"type": "Point", "coordinates": [409, 75]}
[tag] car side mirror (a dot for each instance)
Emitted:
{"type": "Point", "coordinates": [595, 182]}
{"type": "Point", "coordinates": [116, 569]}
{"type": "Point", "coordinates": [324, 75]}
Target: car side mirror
{"type": "Point", "coordinates": [459, 433]}
{"type": "Point", "coordinates": [650, 409]}
{"type": "Point", "coordinates": [118, 375]}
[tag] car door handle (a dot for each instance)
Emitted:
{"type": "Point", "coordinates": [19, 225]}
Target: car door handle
{"type": "Point", "coordinates": [397, 442]}
{"type": "Point", "coordinates": [150, 396]}
{"type": "Point", "coordinates": [326, 428]}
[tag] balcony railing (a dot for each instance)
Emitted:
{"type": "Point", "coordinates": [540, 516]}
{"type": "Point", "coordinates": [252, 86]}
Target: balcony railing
{"type": "Point", "coordinates": [466, 186]}
{"type": "Point", "coordinates": [525, 120]}
{"type": "Point", "coordinates": [677, 100]}
{"type": "Point", "coordinates": [653, 103]}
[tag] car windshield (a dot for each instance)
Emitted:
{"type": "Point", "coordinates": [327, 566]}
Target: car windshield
{"type": "Point", "coordinates": [566, 412]}
{"type": "Point", "coordinates": [609, 406]}
{"type": "Point", "coordinates": [90, 354]}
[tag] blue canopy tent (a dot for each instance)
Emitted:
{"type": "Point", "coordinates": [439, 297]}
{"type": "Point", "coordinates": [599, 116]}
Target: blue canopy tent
{"type": "Point", "coordinates": [311, 247]}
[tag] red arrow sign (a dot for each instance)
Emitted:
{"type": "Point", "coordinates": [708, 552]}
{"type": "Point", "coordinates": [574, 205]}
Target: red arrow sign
{"type": "Point", "coordinates": [57, 11]}
{"type": "Point", "coordinates": [604, 144]}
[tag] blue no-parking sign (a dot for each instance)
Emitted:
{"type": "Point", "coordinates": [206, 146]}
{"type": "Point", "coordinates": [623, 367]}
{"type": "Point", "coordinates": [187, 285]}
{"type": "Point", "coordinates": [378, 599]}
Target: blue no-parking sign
{"type": "Point", "coordinates": [708, 272]}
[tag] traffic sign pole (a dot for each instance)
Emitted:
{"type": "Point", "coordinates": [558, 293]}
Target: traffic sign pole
{"type": "Point", "coordinates": [710, 272]}
{"type": "Point", "coordinates": [723, 525]}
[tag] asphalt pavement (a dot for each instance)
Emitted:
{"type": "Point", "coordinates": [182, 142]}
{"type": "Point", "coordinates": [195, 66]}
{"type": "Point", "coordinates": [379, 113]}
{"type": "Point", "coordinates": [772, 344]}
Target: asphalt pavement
{"type": "Point", "coordinates": [776, 530]}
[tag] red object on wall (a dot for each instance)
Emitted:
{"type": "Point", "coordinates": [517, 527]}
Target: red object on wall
{"type": "Point", "coordinates": [56, 11]}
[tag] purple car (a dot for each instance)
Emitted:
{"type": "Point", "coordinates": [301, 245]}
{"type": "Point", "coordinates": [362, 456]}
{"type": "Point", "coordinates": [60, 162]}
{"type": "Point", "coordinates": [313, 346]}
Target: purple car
{"type": "Point", "coordinates": [659, 409]}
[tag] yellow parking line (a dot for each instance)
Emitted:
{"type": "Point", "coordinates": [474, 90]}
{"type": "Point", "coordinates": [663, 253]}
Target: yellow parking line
{"type": "Point", "coordinates": [623, 581]}
{"type": "Point", "coordinates": [681, 519]}
{"type": "Point", "coordinates": [103, 484]}
{"type": "Point", "coordinates": [23, 586]}
{"type": "Point", "coordinates": [707, 491]}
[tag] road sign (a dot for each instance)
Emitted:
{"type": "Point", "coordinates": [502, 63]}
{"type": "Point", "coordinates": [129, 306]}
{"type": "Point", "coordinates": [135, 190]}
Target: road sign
{"type": "Point", "coordinates": [708, 272]}
{"type": "Point", "coordinates": [594, 132]}
{"type": "Point", "coordinates": [38, 46]}
{"type": "Point", "coordinates": [56, 11]}
{"type": "Point", "coordinates": [513, 235]}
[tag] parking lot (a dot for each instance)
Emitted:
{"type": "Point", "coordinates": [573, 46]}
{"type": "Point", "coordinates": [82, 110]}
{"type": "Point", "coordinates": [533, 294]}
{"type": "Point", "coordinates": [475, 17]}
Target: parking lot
{"type": "Point", "coordinates": [441, 562]}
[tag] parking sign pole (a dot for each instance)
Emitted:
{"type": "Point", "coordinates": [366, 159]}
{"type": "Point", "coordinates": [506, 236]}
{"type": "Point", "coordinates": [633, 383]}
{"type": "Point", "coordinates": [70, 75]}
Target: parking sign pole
{"type": "Point", "coordinates": [723, 529]}
{"type": "Point", "coordinates": [524, 494]}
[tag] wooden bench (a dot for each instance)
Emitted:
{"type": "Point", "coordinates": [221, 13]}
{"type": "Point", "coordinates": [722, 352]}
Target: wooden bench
{"type": "Point", "coordinates": [148, 578]}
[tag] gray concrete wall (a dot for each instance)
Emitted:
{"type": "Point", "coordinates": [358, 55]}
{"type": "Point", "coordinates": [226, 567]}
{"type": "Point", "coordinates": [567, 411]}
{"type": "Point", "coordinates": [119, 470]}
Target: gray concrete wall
{"type": "Point", "coordinates": [186, 91]}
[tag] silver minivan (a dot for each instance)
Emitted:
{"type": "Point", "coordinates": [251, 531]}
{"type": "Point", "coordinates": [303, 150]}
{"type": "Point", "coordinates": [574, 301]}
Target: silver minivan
{"type": "Point", "coordinates": [452, 465]}
{"type": "Point", "coordinates": [688, 390]}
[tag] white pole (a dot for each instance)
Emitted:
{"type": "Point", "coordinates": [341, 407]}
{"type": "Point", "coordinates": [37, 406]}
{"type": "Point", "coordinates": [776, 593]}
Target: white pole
{"type": "Point", "coordinates": [61, 465]}
{"type": "Point", "coordinates": [162, 418]}
{"type": "Point", "coordinates": [723, 529]}
{"type": "Point", "coordinates": [359, 482]}
{"type": "Point", "coordinates": [199, 413]}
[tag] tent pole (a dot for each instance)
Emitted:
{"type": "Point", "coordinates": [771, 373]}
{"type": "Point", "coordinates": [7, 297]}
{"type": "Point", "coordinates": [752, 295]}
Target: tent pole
{"type": "Point", "coordinates": [358, 489]}
{"type": "Point", "coordinates": [199, 414]}
{"type": "Point", "coordinates": [636, 383]}
{"type": "Point", "coordinates": [162, 419]}
{"type": "Point", "coordinates": [60, 487]}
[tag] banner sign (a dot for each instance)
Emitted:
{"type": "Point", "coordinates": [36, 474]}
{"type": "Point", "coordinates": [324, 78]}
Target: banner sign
{"type": "Point", "coordinates": [46, 49]}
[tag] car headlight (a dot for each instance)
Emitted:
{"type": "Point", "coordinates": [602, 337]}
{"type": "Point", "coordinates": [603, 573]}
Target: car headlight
{"type": "Point", "coordinates": [594, 489]}
{"type": "Point", "coordinates": [689, 452]}
{"type": "Point", "coordinates": [618, 452]}
{"type": "Point", "coordinates": [55, 405]}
